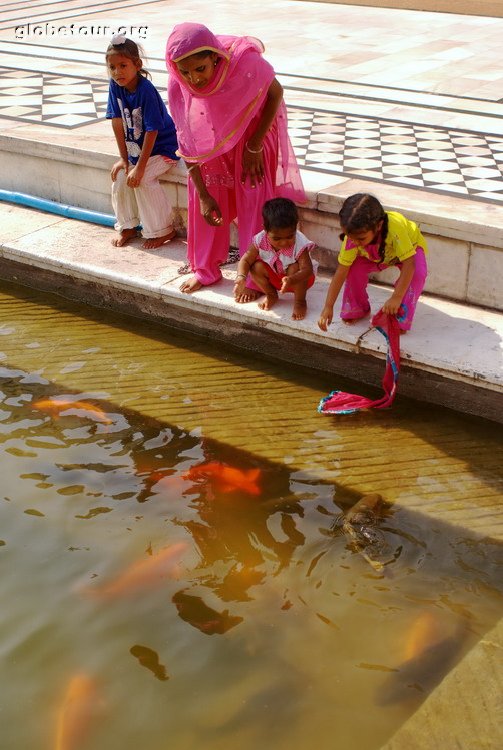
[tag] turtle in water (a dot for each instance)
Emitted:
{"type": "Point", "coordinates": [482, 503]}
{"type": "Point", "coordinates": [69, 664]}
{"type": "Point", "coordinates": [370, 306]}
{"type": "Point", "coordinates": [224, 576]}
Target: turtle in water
{"type": "Point", "coordinates": [361, 525]}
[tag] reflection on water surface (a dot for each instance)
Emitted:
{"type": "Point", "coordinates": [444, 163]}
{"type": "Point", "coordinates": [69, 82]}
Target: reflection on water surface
{"type": "Point", "coordinates": [195, 554]}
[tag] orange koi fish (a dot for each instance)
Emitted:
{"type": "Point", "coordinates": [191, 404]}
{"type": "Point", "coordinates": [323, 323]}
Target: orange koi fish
{"type": "Point", "coordinates": [80, 702]}
{"type": "Point", "coordinates": [430, 652]}
{"type": "Point", "coordinates": [56, 407]}
{"type": "Point", "coordinates": [145, 573]}
{"type": "Point", "coordinates": [227, 478]}
{"type": "Point", "coordinates": [424, 633]}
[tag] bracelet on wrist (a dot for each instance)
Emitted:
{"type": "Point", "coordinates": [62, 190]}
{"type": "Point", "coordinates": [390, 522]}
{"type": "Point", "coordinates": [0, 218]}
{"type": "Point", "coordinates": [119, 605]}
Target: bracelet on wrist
{"type": "Point", "coordinates": [254, 151]}
{"type": "Point", "coordinates": [240, 276]}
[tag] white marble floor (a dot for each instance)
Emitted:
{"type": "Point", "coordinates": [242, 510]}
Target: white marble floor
{"type": "Point", "coordinates": [397, 97]}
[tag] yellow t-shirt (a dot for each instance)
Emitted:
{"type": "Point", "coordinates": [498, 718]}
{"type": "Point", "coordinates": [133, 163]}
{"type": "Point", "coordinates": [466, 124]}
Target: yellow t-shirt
{"type": "Point", "coordinates": [401, 241]}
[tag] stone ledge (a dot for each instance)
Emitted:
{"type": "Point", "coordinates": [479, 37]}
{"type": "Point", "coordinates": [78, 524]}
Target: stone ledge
{"type": "Point", "coordinates": [80, 177]}
{"type": "Point", "coordinates": [474, 221]}
{"type": "Point", "coordinates": [452, 356]}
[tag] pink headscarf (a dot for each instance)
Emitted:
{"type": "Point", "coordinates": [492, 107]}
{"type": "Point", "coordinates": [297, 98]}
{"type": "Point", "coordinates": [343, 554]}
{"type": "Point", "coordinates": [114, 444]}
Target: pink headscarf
{"type": "Point", "coordinates": [212, 120]}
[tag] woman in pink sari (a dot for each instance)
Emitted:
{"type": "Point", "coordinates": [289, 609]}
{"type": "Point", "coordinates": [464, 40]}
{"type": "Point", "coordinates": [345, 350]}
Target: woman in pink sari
{"type": "Point", "coordinates": [232, 132]}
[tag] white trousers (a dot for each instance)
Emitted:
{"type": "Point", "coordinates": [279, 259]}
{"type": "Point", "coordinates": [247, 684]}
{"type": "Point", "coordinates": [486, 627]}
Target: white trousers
{"type": "Point", "coordinates": [146, 204]}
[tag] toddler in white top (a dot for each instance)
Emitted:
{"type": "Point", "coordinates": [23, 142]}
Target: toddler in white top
{"type": "Point", "coordinates": [278, 259]}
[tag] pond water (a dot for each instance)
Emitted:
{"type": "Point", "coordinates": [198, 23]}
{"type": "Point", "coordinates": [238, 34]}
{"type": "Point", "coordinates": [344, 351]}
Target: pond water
{"type": "Point", "coordinates": [181, 563]}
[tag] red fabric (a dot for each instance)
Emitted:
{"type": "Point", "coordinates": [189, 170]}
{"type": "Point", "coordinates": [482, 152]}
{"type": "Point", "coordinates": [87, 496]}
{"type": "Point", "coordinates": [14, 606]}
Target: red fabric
{"type": "Point", "coordinates": [339, 402]}
{"type": "Point", "coordinates": [276, 279]}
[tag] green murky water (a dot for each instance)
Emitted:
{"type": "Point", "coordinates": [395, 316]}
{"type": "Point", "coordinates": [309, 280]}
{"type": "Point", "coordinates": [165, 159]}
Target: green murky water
{"type": "Point", "coordinates": [178, 565]}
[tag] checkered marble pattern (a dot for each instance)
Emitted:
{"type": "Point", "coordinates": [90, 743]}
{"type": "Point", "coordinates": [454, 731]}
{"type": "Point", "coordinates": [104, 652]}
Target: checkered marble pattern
{"type": "Point", "coordinates": [431, 158]}
{"type": "Point", "coordinates": [65, 101]}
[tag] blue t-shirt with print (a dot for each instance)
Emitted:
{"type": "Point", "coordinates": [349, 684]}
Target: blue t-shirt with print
{"type": "Point", "coordinates": [142, 110]}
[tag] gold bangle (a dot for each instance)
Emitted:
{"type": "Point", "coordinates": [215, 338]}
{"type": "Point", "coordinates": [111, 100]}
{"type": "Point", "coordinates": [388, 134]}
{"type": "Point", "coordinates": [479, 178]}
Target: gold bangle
{"type": "Point", "coordinates": [240, 276]}
{"type": "Point", "coordinates": [258, 151]}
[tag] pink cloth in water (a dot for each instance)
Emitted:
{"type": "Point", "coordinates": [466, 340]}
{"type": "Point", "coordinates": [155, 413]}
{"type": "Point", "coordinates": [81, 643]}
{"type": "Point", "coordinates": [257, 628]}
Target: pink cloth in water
{"type": "Point", "coordinates": [339, 402]}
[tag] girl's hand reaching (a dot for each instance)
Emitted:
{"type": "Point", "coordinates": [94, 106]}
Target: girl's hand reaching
{"type": "Point", "coordinates": [326, 317]}
{"type": "Point", "coordinates": [121, 164]}
{"type": "Point", "coordinates": [239, 287]}
{"type": "Point", "coordinates": [392, 305]}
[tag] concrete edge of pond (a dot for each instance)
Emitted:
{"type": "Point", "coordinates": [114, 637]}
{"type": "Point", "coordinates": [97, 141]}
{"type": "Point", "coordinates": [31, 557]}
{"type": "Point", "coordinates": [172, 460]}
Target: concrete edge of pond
{"type": "Point", "coordinates": [452, 357]}
{"type": "Point", "coordinates": [465, 710]}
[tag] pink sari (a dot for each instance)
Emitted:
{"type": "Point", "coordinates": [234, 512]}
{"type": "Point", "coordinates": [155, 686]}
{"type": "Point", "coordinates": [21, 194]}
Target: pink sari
{"type": "Point", "coordinates": [211, 121]}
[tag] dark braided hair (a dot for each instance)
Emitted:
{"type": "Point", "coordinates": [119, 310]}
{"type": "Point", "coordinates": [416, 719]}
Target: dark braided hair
{"type": "Point", "coordinates": [363, 211]}
{"type": "Point", "coordinates": [130, 49]}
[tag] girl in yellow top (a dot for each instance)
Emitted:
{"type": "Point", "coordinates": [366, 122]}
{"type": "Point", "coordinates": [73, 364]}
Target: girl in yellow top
{"type": "Point", "coordinates": [374, 239]}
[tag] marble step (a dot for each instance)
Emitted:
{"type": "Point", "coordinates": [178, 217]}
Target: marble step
{"type": "Point", "coordinates": [465, 237]}
{"type": "Point", "coordinates": [451, 357]}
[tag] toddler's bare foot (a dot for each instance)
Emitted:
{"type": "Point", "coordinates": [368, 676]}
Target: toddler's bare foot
{"type": "Point", "coordinates": [249, 295]}
{"type": "Point", "coordinates": [124, 237]}
{"type": "Point", "coordinates": [191, 285]}
{"type": "Point", "coordinates": [269, 302]}
{"type": "Point", "coordinates": [299, 310]}
{"type": "Point", "coordinates": [154, 242]}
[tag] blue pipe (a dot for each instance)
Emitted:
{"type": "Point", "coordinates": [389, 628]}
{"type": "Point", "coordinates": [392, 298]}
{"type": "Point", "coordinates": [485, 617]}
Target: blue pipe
{"type": "Point", "coordinates": [71, 212]}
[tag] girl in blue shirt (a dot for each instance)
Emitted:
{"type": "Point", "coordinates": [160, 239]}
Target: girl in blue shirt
{"type": "Point", "coordinates": [146, 138]}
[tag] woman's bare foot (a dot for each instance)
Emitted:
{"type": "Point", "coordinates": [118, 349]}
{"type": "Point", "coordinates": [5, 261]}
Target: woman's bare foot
{"type": "Point", "coordinates": [249, 295]}
{"type": "Point", "coordinates": [402, 331]}
{"type": "Point", "coordinates": [124, 237]}
{"type": "Point", "coordinates": [191, 285]}
{"type": "Point", "coordinates": [154, 242]}
{"type": "Point", "coordinates": [299, 310]}
{"type": "Point", "coordinates": [269, 302]}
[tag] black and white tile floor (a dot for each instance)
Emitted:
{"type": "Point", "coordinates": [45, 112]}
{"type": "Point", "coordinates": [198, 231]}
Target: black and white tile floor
{"type": "Point", "coordinates": [431, 158]}
{"type": "Point", "coordinates": [59, 100]}
{"type": "Point", "coordinates": [331, 129]}
{"type": "Point", "coordinates": [419, 156]}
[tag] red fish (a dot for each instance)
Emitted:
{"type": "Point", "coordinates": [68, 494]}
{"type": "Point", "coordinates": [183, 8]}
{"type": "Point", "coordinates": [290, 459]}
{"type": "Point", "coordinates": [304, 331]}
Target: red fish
{"type": "Point", "coordinates": [56, 407]}
{"type": "Point", "coordinates": [227, 478]}
{"type": "Point", "coordinates": [144, 573]}
{"type": "Point", "coordinates": [75, 714]}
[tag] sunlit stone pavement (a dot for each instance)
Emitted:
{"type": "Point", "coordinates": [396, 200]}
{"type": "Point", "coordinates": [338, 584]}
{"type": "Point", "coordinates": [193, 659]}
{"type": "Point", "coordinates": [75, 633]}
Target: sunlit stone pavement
{"type": "Point", "coordinates": [395, 97]}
